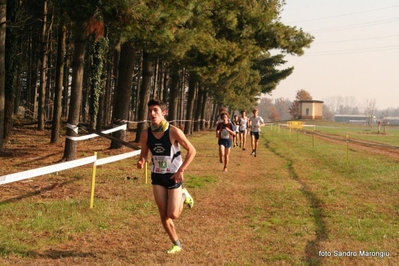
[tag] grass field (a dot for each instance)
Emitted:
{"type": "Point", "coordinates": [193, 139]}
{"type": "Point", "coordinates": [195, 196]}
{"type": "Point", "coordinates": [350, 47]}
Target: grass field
{"type": "Point", "coordinates": [296, 203]}
{"type": "Point", "coordinates": [383, 134]}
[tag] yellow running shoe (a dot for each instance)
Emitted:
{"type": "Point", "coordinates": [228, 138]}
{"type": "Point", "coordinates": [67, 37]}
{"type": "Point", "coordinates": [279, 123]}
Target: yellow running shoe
{"type": "Point", "coordinates": [189, 200]}
{"type": "Point", "coordinates": [174, 249]}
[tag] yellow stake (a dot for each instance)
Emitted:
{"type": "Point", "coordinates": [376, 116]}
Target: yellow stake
{"type": "Point", "coordinates": [93, 183]}
{"type": "Point", "coordinates": [313, 138]}
{"type": "Point", "coordinates": [145, 172]}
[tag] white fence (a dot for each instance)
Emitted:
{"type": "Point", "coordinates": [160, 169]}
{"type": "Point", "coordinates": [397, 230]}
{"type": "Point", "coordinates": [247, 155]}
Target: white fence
{"type": "Point", "coordinates": [5, 179]}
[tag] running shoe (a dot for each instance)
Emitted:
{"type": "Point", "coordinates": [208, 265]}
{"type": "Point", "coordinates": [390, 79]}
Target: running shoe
{"type": "Point", "coordinates": [225, 169]}
{"type": "Point", "coordinates": [254, 153]}
{"type": "Point", "coordinates": [189, 200]}
{"type": "Point", "coordinates": [174, 249]}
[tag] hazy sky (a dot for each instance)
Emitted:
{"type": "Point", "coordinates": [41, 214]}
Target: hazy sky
{"type": "Point", "coordinates": [355, 52]}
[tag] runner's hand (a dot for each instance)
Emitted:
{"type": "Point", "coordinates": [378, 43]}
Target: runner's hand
{"type": "Point", "coordinates": [178, 177]}
{"type": "Point", "coordinates": [140, 164]}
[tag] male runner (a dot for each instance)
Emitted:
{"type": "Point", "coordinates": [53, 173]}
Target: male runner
{"type": "Point", "coordinates": [255, 122]}
{"type": "Point", "coordinates": [163, 141]}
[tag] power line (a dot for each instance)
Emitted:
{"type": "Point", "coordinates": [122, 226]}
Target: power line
{"type": "Point", "coordinates": [354, 51]}
{"type": "Point", "coordinates": [354, 26]}
{"type": "Point", "coordinates": [361, 39]}
{"type": "Point", "coordinates": [345, 15]}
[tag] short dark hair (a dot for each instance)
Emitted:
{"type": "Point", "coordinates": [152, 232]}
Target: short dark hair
{"type": "Point", "coordinates": [158, 102]}
{"type": "Point", "coordinates": [224, 114]}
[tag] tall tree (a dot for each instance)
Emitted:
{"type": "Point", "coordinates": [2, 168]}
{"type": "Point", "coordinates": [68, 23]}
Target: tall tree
{"type": "Point", "coordinates": [59, 81]}
{"type": "Point", "coordinates": [370, 111]}
{"type": "Point", "coordinates": [3, 8]}
{"type": "Point", "coordinates": [192, 88]}
{"type": "Point", "coordinates": [43, 68]}
{"type": "Point", "coordinates": [76, 91]}
{"type": "Point", "coordinates": [145, 91]}
{"type": "Point", "coordinates": [11, 62]}
{"type": "Point", "coordinates": [174, 93]}
{"type": "Point", "coordinates": [123, 91]}
{"type": "Point", "coordinates": [99, 47]}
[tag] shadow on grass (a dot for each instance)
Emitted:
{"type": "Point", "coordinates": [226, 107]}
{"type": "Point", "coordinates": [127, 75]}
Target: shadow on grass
{"type": "Point", "coordinates": [49, 254]}
{"type": "Point", "coordinates": [312, 247]}
{"type": "Point", "coordinates": [40, 159]}
{"type": "Point", "coordinates": [36, 192]}
{"type": "Point", "coordinates": [59, 254]}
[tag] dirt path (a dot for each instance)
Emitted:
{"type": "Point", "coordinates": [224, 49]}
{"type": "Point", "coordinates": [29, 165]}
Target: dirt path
{"type": "Point", "coordinates": [242, 217]}
{"type": "Point", "coordinates": [224, 227]}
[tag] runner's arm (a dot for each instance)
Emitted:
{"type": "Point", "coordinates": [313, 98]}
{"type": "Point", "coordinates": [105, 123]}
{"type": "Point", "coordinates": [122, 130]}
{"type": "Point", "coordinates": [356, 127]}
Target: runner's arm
{"type": "Point", "coordinates": [178, 135]}
{"type": "Point", "coordinates": [144, 149]}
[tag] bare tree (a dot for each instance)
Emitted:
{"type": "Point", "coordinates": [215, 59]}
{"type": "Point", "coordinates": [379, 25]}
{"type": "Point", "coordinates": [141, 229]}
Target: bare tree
{"type": "Point", "coordinates": [327, 113]}
{"type": "Point", "coordinates": [283, 108]}
{"type": "Point", "coordinates": [370, 111]}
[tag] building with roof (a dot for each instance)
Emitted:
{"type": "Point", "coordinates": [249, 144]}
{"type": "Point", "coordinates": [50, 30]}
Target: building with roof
{"type": "Point", "coordinates": [311, 109]}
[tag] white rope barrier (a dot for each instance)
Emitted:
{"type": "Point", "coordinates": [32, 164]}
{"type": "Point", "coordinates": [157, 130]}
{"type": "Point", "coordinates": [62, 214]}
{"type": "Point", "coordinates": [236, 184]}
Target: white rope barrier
{"type": "Point", "coordinates": [46, 170]}
{"type": "Point", "coordinates": [116, 157]}
{"type": "Point", "coordinates": [122, 127]}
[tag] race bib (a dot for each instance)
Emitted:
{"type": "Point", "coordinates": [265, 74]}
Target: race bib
{"type": "Point", "coordinates": [224, 134]}
{"type": "Point", "coordinates": [161, 164]}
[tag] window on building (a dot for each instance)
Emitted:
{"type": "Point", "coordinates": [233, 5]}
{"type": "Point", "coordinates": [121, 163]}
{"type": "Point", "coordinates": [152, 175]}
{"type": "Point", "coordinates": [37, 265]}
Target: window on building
{"type": "Point", "coordinates": [307, 111]}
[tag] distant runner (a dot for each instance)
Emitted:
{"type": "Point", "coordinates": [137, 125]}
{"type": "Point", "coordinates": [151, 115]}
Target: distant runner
{"type": "Point", "coordinates": [255, 122]}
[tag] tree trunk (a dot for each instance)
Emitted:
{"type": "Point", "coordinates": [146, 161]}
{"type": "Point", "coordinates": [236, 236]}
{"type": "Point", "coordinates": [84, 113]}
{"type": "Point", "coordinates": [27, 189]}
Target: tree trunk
{"type": "Point", "coordinates": [198, 107]}
{"type": "Point", "coordinates": [144, 94]}
{"type": "Point", "coordinates": [76, 93]}
{"type": "Point", "coordinates": [192, 87]}
{"type": "Point", "coordinates": [3, 12]}
{"type": "Point", "coordinates": [106, 98]}
{"type": "Point", "coordinates": [174, 94]}
{"type": "Point", "coordinates": [123, 92]}
{"type": "Point", "coordinates": [43, 70]}
{"type": "Point", "coordinates": [11, 62]}
{"type": "Point", "coordinates": [96, 83]}
{"type": "Point", "coordinates": [59, 79]}
{"type": "Point", "coordinates": [112, 101]}
{"type": "Point", "coordinates": [166, 81]}
{"type": "Point", "coordinates": [65, 93]}
{"type": "Point", "coordinates": [203, 109]}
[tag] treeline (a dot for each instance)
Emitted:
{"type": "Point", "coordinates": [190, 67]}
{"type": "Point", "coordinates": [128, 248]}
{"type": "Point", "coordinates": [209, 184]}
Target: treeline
{"type": "Point", "coordinates": [99, 62]}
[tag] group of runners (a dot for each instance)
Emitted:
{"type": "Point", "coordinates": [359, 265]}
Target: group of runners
{"type": "Point", "coordinates": [163, 142]}
{"type": "Point", "coordinates": [233, 133]}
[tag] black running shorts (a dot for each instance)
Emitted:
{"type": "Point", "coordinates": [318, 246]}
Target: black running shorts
{"type": "Point", "coordinates": [164, 180]}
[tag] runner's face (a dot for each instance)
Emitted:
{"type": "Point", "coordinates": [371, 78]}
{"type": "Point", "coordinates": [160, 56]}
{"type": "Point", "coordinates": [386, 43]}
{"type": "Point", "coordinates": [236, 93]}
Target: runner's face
{"type": "Point", "coordinates": [156, 114]}
{"type": "Point", "coordinates": [225, 119]}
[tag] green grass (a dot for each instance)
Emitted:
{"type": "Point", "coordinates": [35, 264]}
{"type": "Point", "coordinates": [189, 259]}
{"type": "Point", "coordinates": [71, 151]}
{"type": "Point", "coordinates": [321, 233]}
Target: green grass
{"type": "Point", "coordinates": [294, 200]}
{"type": "Point", "coordinates": [354, 198]}
{"type": "Point", "coordinates": [387, 135]}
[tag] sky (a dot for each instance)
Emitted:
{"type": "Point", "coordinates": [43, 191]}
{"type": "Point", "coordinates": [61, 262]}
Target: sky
{"type": "Point", "coordinates": [355, 53]}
